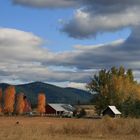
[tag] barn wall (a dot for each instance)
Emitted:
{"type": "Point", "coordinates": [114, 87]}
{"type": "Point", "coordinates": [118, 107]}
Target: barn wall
{"type": "Point", "coordinates": [108, 112]}
{"type": "Point", "coordinates": [50, 110]}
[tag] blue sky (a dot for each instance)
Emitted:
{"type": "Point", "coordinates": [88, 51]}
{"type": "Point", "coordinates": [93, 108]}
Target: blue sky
{"type": "Point", "coordinates": [45, 23]}
{"type": "Point", "coordinates": [74, 41]}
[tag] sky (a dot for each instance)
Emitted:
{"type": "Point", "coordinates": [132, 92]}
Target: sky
{"type": "Point", "coordinates": [66, 42]}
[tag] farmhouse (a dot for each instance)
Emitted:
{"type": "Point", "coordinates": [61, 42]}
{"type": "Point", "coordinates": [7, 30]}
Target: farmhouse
{"type": "Point", "coordinates": [111, 111]}
{"type": "Point", "coordinates": [59, 109]}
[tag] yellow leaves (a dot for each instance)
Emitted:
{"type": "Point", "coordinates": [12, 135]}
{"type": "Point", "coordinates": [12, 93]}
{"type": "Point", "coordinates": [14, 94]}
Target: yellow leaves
{"type": "Point", "coordinates": [114, 87]}
{"type": "Point", "coordinates": [120, 87]}
{"type": "Point", "coordinates": [125, 88]}
{"type": "Point", "coordinates": [20, 103]}
{"type": "Point", "coordinates": [136, 88]}
{"type": "Point", "coordinates": [104, 90]}
{"type": "Point", "coordinates": [41, 103]}
{"type": "Point", "coordinates": [9, 99]}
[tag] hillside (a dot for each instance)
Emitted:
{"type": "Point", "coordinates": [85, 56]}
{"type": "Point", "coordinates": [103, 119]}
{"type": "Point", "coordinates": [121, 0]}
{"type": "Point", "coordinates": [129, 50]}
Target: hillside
{"type": "Point", "coordinates": [53, 93]}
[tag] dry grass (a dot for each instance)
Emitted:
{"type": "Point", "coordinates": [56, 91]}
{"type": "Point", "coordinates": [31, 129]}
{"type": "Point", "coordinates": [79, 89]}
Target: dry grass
{"type": "Point", "coordinates": [68, 129]}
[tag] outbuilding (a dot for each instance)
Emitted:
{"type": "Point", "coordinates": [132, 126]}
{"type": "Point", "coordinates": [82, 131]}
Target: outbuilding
{"type": "Point", "coordinates": [59, 109]}
{"type": "Point", "coordinates": [111, 111]}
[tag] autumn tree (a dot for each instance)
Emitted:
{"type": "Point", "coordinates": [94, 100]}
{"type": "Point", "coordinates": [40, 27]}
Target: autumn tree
{"type": "Point", "coordinates": [27, 105]}
{"type": "Point", "coordinates": [20, 103]}
{"type": "Point", "coordinates": [114, 87]}
{"type": "Point", "coordinates": [41, 103]}
{"type": "Point", "coordinates": [9, 99]}
{"type": "Point", "coordinates": [0, 100]}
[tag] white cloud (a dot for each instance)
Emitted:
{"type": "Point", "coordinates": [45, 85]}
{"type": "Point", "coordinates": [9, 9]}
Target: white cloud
{"type": "Point", "coordinates": [24, 59]}
{"type": "Point", "coordinates": [17, 47]}
{"type": "Point", "coordinates": [94, 16]}
{"type": "Point", "coordinates": [91, 47]}
{"type": "Point", "coordinates": [46, 3]}
{"type": "Point", "coordinates": [77, 85]}
{"type": "Point", "coordinates": [86, 24]}
{"type": "Point", "coordinates": [101, 5]}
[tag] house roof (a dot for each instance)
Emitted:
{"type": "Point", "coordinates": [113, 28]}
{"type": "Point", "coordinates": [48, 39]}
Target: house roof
{"type": "Point", "coordinates": [115, 110]}
{"type": "Point", "coordinates": [62, 107]}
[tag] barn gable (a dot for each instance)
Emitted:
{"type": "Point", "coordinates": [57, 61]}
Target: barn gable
{"type": "Point", "coordinates": [111, 111]}
{"type": "Point", "coordinates": [58, 109]}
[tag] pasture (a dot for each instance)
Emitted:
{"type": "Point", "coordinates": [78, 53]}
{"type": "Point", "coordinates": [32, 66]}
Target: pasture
{"type": "Point", "coordinates": [44, 128]}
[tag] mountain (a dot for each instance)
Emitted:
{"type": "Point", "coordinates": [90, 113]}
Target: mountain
{"type": "Point", "coordinates": [54, 94]}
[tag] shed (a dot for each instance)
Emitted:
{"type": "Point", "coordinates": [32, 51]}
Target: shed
{"type": "Point", "coordinates": [111, 111]}
{"type": "Point", "coordinates": [59, 109]}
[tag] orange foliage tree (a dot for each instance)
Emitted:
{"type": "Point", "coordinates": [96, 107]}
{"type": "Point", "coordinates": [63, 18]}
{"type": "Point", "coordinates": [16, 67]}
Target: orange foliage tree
{"type": "Point", "coordinates": [41, 103]}
{"type": "Point", "coordinates": [20, 103]}
{"type": "Point", "coordinates": [0, 100]}
{"type": "Point", "coordinates": [9, 99]}
{"type": "Point", "coordinates": [27, 105]}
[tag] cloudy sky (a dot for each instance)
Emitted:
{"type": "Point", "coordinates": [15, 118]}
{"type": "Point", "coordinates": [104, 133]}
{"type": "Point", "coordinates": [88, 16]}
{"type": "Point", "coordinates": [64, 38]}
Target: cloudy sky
{"type": "Point", "coordinates": [65, 42]}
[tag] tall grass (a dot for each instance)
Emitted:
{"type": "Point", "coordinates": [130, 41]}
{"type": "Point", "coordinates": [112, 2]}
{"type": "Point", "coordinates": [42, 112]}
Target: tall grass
{"type": "Point", "coordinates": [68, 129]}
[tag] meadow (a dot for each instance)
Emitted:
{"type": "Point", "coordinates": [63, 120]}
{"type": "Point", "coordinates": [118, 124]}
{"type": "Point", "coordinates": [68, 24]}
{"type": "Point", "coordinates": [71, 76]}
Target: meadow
{"type": "Point", "coordinates": [44, 128]}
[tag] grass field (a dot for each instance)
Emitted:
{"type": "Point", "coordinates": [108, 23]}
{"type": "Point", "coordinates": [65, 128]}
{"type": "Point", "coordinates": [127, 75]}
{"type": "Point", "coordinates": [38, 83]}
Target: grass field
{"type": "Point", "coordinates": [43, 128]}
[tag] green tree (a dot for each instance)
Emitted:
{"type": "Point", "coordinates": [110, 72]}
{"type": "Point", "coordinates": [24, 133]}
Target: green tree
{"type": "Point", "coordinates": [114, 87]}
{"type": "Point", "coordinates": [130, 75]}
{"type": "Point", "coordinates": [121, 71]}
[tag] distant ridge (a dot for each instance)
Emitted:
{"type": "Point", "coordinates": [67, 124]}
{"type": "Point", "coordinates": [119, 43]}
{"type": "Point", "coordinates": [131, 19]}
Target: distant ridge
{"type": "Point", "coordinates": [53, 93]}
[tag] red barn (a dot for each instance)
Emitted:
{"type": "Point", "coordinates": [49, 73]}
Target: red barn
{"type": "Point", "coordinates": [59, 109]}
{"type": "Point", "coordinates": [50, 110]}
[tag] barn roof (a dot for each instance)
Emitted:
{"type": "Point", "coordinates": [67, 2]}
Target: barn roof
{"type": "Point", "coordinates": [62, 107]}
{"type": "Point", "coordinates": [115, 110]}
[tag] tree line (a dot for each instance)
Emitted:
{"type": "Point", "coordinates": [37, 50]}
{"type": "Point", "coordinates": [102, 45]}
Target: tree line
{"type": "Point", "coordinates": [118, 87]}
{"type": "Point", "coordinates": [10, 102]}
